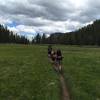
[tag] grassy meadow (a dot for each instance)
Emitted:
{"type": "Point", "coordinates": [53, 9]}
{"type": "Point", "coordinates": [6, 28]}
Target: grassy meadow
{"type": "Point", "coordinates": [26, 74]}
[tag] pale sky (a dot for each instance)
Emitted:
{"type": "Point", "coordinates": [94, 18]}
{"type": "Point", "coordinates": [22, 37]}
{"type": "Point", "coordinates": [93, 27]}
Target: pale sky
{"type": "Point", "coordinates": [28, 17]}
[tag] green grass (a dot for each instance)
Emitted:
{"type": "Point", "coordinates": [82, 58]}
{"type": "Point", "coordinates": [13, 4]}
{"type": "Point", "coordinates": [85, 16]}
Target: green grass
{"type": "Point", "coordinates": [82, 72]}
{"type": "Point", "coordinates": [26, 74]}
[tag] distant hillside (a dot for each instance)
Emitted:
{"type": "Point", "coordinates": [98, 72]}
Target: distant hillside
{"type": "Point", "coordinates": [88, 35]}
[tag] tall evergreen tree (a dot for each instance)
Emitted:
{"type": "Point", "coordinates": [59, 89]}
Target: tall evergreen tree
{"type": "Point", "coordinates": [43, 39]}
{"type": "Point", "coordinates": [37, 38]}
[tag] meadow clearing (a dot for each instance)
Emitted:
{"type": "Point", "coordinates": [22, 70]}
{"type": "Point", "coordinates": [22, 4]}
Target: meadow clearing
{"type": "Point", "coordinates": [26, 73]}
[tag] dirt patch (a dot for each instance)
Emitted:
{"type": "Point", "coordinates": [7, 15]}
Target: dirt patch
{"type": "Point", "coordinates": [64, 89]}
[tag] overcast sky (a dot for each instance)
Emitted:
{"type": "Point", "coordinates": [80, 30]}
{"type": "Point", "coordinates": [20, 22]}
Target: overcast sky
{"type": "Point", "coordinates": [28, 17]}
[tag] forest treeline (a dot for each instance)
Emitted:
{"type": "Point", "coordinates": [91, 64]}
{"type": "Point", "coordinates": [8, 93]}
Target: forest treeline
{"type": "Point", "coordinates": [87, 35]}
{"type": "Point", "coordinates": [7, 36]}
